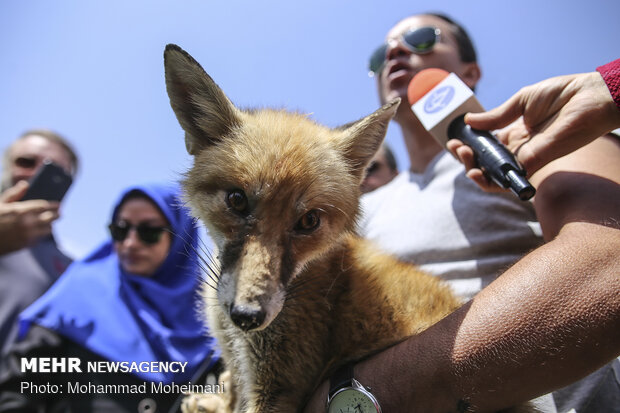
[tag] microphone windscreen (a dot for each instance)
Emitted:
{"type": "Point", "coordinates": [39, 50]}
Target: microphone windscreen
{"type": "Point", "coordinates": [423, 82]}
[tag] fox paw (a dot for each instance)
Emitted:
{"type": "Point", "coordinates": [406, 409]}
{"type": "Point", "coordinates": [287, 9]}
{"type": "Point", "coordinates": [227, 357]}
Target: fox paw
{"type": "Point", "coordinates": [203, 403]}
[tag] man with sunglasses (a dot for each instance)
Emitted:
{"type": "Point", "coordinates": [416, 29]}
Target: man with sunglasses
{"type": "Point", "coordinates": [30, 260]}
{"type": "Point", "coordinates": [547, 321]}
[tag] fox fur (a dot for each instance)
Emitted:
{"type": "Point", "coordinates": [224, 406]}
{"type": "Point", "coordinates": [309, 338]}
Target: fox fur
{"type": "Point", "coordinates": [297, 292]}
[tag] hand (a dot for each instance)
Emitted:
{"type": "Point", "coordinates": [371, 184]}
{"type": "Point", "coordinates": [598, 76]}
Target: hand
{"type": "Point", "coordinates": [22, 223]}
{"type": "Point", "coordinates": [560, 115]}
{"type": "Point", "coordinates": [557, 116]}
{"type": "Point", "coordinates": [515, 132]}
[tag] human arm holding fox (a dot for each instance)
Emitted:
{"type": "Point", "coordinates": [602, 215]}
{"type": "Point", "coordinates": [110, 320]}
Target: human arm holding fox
{"type": "Point", "coordinates": [549, 320]}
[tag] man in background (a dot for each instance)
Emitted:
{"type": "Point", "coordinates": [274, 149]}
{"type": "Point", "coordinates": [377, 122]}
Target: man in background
{"type": "Point", "coordinates": [381, 170]}
{"type": "Point", "coordinates": [30, 260]}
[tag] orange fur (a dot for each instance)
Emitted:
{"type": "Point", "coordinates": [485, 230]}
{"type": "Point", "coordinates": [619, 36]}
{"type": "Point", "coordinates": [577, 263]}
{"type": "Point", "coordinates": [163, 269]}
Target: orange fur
{"type": "Point", "coordinates": [298, 292]}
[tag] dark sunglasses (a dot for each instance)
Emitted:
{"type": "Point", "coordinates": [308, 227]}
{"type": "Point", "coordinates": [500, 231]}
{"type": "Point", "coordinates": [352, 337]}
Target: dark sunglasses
{"type": "Point", "coordinates": [148, 234]}
{"type": "Point", "coordinates": [420, 41]}
{"type": "Point", "coordinates": [373, 167]}
{"type": "Point", "coordinates": [25, 162]}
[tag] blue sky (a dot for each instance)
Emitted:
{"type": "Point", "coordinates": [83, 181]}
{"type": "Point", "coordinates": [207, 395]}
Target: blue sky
{"type": "Point", "coordinates": [93, 71]}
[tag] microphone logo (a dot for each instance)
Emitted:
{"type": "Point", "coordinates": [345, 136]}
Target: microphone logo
{"type": "Point", "coordinates": [439, 99]}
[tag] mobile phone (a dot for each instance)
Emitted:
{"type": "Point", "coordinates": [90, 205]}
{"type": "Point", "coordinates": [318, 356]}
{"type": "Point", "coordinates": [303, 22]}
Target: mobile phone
{"type": "Point", "coordinates": [50, 183]}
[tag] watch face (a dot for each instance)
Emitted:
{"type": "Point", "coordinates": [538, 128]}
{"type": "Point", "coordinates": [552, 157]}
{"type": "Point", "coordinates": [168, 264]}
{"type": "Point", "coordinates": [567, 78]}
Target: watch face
{"type": "Point", "coordinates": [351, 400]}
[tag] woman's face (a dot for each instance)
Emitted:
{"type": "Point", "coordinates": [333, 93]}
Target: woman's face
{"type": "Point", "coordinates": [135, 255]}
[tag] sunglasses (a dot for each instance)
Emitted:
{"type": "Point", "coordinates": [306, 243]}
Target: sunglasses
{"type": "Point", "coordinates": [146, 233]}
{"type": "Point", "coordinates": [373, 167]}
{"type": "Point", "coordinates": [419, 41]}
{"type": "Point", "coordinates": [25, 162]}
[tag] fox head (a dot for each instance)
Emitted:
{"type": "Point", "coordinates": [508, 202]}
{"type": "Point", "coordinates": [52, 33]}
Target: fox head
{"type": "Point", "coordinates": [275, 189]}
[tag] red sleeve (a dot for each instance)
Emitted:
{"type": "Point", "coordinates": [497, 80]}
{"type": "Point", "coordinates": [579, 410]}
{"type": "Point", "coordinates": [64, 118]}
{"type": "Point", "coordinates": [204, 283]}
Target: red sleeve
{"type": "Point", "coordinates": [611, 76]}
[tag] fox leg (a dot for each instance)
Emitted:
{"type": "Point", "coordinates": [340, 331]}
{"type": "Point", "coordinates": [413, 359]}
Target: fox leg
{"type": "Point", "coordinates": [204, 403]}
{"type": "Point", "coordinates": [211, 403]}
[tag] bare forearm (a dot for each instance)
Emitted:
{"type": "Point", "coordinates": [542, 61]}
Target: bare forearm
{"type": "Point", "coordinates": [504, 347]}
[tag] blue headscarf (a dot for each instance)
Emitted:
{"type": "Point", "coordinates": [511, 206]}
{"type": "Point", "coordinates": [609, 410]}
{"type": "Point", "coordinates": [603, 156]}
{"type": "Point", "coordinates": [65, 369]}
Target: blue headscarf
{"type": "Point", "coordinates": [125, 317]}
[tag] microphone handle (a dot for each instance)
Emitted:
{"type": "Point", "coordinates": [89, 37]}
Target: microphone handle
{"type": "Point", "coordinates": [495, 160]}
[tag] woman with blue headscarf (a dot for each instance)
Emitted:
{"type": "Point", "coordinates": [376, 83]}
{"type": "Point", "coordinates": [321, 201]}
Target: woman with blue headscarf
{"type": "Point", "coordinates": [130, 304]}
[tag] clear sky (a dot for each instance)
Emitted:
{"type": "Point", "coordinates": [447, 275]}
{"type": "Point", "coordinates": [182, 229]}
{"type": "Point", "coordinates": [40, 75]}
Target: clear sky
{"type": "Point", "coordinates": [93, 71]}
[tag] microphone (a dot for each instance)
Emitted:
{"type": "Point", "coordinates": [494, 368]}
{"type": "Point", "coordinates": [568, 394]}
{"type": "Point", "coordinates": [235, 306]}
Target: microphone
{"type": "Point", "coordinates": [440, 100]}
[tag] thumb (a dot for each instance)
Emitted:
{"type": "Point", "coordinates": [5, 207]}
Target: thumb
{"type": "Point", "coordinates": [498, 117]}
{"type": "Point", "coordinates": [15, 193]}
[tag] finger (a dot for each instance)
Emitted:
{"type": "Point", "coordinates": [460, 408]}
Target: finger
{"type": "Point", "coordinates": [36, 206]}
{"type": "Point", "coordinates": [514, 135]}
{"type": "Point", "coordinates": [15, 193]}
{"type": "Point", "coordinates": [482, 181]}
{"type": "Point", "coordinates": [452, 145]}
{"type": "Point", "coordinates": [41, 224]}
{"type": "Point", "coordinates": [47, 217]}
{"type": "Point", "coordinates": [553, 143]}
{"type": "Point", "coordinates": [466, 155]}
{"type": "Point", "coordinates": [461, 152]}
{"type": "Point", "coordinates": [32, 227]}
{"type": "Point", "coordinates": [498, 117]}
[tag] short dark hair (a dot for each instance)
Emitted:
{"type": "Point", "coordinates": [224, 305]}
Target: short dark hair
{"type": "Point", "coordinates": [467, 51]}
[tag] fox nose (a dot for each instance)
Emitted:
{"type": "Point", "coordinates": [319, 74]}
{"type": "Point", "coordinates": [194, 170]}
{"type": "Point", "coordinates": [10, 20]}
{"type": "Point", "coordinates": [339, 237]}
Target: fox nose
{"type": "Point", "coordinates": [246, 318]}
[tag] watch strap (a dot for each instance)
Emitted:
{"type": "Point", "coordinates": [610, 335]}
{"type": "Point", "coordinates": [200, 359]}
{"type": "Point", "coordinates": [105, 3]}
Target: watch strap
{"type": "Point", "coordinates": [342, 377]}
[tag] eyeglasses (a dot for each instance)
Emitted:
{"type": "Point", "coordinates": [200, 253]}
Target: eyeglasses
{"type": "Point", "coordinates": [25, 162]}
{"type": "Point", "coordinates": [146, 233]}
{"type": "Point", "coordinates": [419, 41]}
{"type": "Point", "coordinates": [373, 167]}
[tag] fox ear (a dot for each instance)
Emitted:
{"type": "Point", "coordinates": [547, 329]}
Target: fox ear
{"type": "Point", "coordinates": [362, 139]}
{"type": "Point", "coordinates": [202, 109]}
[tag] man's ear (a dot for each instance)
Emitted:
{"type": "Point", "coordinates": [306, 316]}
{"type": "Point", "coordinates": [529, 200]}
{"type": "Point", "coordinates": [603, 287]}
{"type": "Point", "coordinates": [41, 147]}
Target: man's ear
{"type": "Point", "coordinates": [360, 140]}
{"type": "Point", "coordinates": [202, 109]}
{"type": "Point", "coordinates": [470, 74]}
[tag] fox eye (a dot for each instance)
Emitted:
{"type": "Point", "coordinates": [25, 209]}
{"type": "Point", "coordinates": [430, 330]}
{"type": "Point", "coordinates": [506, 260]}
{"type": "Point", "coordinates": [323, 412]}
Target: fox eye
{"type": "Point", "coordinates": [309, 222]}
{"type": "Point", "coordinates": [237, 200]}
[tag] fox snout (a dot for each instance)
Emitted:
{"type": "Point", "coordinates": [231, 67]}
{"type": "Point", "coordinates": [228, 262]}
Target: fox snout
{"type": "Point", "coordinates": [250, 289]}
{"type": "Point", "coordinates": [254, 302]}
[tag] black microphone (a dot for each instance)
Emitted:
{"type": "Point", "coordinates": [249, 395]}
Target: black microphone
{"type": "Point", "coordinates": [440, 100]}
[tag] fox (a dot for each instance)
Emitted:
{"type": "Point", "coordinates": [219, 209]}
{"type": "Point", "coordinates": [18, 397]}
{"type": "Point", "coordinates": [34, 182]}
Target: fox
{"type": "Point", "coordinates": [296, 293]}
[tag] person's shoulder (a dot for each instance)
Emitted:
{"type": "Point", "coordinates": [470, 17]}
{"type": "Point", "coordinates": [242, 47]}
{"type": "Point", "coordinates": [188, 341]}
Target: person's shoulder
{"type": "Point", "coordinates": [37, 342]}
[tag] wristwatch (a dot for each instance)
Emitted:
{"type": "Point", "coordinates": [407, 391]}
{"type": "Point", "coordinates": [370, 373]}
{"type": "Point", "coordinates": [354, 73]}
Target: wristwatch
{"type": "Point", "coordinates": [347, 395]}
